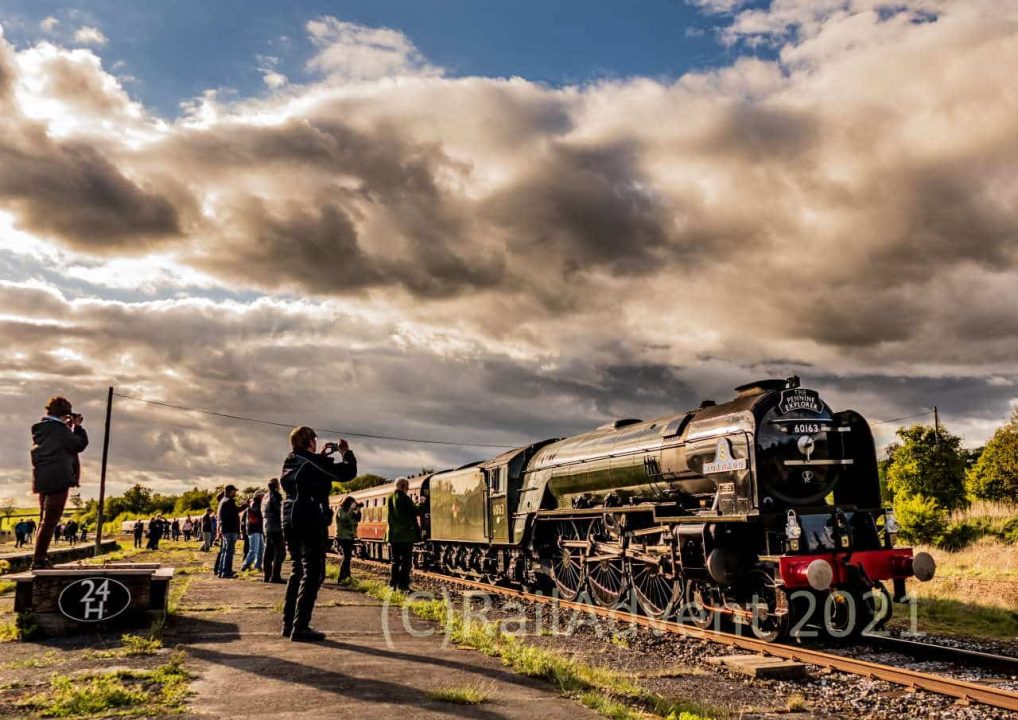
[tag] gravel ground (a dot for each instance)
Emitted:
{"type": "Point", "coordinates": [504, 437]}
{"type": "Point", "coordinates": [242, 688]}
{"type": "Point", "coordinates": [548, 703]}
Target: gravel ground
{"type": "Point", "coordinates": [676, 667]}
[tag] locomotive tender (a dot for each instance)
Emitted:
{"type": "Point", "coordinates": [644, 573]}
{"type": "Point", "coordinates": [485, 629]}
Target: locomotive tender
{"type": "Point", "coordinates": [764, 511]}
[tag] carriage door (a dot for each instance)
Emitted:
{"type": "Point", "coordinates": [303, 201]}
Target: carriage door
{"type": "Point", "coordinates": [498, 520]}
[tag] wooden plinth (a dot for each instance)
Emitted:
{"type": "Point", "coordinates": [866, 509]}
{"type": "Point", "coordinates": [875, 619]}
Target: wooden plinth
{"type": "Point", "coordinates": [135, 594]}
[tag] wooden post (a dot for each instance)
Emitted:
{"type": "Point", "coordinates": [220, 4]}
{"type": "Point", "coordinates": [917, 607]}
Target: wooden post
{"type": "Point", "coordinates": [102, 473]}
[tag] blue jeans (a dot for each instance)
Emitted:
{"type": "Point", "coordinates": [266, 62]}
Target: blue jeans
{"type": "Point", "coordinates": [254, 551]}
{"type": "Point", "coordinates": [226, 552]}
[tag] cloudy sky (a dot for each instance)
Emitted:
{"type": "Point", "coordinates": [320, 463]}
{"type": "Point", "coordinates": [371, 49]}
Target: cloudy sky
{"type": "Point", "coordinates": [496, 222]}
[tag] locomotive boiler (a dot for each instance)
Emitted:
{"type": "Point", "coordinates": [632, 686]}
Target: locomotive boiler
{"type": "Point", "coordinates": [763, 511]}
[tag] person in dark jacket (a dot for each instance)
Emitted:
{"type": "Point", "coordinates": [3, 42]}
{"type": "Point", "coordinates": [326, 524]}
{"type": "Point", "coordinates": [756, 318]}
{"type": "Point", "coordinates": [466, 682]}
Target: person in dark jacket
{"type": "Point", "coordinates": [156, 528]}
{"type": "Point", "coordinates": [272, 524]}
{"type": "Point", "coordinates": [208, 530]}
{"type": "Point", "coordinates": [56, 441]}
{"type": "Point", "coordinates": [20, 532]}
{"type": "Point", "coordinates": [401, 534]}
{"type": "Point", "coordinates": [71, 532]}
{"type": "Point", "coordinates": [307, 479]}
{"type": "Point", "coordinates": [139, 531]}
{"type": "Point", "coordinates": [229, 528]}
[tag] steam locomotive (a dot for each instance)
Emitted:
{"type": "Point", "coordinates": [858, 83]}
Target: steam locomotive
{"type": "Point", "coordinates": [763, 511]}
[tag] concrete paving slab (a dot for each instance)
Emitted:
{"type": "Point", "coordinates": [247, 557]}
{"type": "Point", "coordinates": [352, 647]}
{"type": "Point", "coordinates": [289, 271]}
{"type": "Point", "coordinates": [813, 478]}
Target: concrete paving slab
{"type": "Point", "coordinates": [370, 665]}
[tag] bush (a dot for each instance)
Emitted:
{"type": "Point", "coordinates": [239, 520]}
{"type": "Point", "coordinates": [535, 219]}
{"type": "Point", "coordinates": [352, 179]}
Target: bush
{"type": "Point", "coordinates": [920, 519]}
{"type": "Point", "coordinates": [960, 535]}
{"type": "Point", "coordinates": [1010, 531]}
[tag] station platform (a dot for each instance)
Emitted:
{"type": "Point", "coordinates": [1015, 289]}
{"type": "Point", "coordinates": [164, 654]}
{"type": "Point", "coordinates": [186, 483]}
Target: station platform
{"type": "Point", "coordinates": [22, 559]}
{"type": "Point", "coordinates": [230, 630]}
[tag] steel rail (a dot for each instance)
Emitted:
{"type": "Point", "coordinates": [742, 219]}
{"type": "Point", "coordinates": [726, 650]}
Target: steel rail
{"type": "Point", "coordinates": [929, 651]}
{"type": "Point", "coordinates": [963, 690]}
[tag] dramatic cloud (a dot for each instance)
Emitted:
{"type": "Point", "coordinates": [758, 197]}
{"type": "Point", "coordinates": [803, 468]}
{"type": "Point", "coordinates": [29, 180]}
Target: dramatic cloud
{"type": "Point", "coordinates": [398, 249]}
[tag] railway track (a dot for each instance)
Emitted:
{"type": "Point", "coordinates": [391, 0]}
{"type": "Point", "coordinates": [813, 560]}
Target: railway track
{"type": "Point", "coordinates": [962, 690]}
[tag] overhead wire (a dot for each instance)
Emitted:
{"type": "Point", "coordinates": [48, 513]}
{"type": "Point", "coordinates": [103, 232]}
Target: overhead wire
{"type": "Point", "coordinates": [895, 420]}
{"type": "Point", "coordinates": [260, 421]}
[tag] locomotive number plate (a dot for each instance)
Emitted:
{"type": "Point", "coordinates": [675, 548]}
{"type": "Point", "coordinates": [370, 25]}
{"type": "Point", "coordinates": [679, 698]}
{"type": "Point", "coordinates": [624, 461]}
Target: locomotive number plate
{"type": "Point", "coordinates": [801, 428]}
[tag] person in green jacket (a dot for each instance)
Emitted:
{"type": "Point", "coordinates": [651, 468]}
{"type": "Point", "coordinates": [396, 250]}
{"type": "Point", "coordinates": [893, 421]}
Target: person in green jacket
{"type": "Point", "coordinates": [402, 533]}
{"type": "Point", "coordinates": [346, 532]}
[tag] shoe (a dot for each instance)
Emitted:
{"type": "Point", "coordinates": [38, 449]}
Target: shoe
{"type": "Point", "coordinates": [306, 635]}
{"type": "Point", "coordinates": [228, 577]}
{"type": "Point", "coordinates": [42, 565]}
{"type": "Point", "coordinates": [278, 581]}
{"type": "Point", "coordinates": [287, 631]}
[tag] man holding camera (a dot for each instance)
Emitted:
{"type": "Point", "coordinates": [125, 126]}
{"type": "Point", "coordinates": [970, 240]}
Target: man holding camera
{"type": "Point", "coordinates": [307, 482]}
{"type": "Point", "coordinates": [56, 441]}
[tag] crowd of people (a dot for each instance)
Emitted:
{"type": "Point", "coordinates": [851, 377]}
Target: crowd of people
{"type": "Point", "coordinates": [292, 514]}
{"type": "Point", "coordinates": [24, 532]}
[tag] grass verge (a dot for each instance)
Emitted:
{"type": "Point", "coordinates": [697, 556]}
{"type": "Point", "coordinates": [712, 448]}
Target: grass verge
{"type": "Point", "coordinates": [117, 692]}
{"type": "Point", "coordinates": [946, 616]}
{"type": "Point", "coordinates": [605, 691]}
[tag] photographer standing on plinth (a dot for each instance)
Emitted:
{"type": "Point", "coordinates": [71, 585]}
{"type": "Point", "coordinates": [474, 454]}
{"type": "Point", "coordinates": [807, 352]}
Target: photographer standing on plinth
{"type": "Point", "coordinates": [56, 441]}
{"type": "Point", "coordinates": [307, 482]}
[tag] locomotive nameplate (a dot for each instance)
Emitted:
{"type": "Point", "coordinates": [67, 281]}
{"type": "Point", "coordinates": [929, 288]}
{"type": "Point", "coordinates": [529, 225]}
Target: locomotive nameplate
{"type": "Point", "coordinates": [800, 400]}
{"type": "Point", "coordinates": [723, 460]}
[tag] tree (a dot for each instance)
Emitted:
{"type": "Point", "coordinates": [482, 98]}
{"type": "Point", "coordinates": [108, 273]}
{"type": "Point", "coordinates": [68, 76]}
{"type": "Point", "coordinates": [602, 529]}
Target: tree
{"type": "Point", "coordinates": [929, 464]}
{"type": "Point", "coordinates": [358, 483]}
{"type": "Point", "coordinates": [162, 504]}
{"type": "Point", "coordinates": [193, 500]}
{"type": "Point", "coordinates": [137, 499]}
{"type": "Point", "coordinates": [994, 476]}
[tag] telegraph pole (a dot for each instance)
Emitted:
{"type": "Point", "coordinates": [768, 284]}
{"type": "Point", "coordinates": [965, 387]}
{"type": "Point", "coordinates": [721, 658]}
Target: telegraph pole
{"type": "Point", "coordinates": [936, 424]}
{"type": "Point", "coordinates": [102, 472]}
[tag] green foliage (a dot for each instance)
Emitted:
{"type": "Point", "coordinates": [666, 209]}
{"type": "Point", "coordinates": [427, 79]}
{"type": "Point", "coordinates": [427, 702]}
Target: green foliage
{"type": "Point", "coordinates": [358, 483]}
{"type": "Point", "coordinates": [193, 501]}
{"type": "Point", "coordinates": [920, 518]}
{"type": "Point", "coordinates": [67, 697]}
{"type": "Point", "coordinates": [959, 535]}
{"type": "Point", "coordinates": [927, 464]}
{"type": "Point", "coordinates": [460, 694]}
{"type": "Point", "coordinates": [994, 476]}
{"type": "Point", "coordinates": [1009, 532]}
{"type": "Point", "coordinates": [162, 504]}
{"type": "Point", "coordinates": [137, 499]}
{"type": "Point", "coordinates": [109, 693]}
{"type": "Point", "coordinates": [130, 646]}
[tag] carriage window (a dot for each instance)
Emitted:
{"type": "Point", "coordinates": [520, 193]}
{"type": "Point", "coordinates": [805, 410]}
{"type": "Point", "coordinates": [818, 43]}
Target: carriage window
{"type": "Point", "coordinates": [496, 480]}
